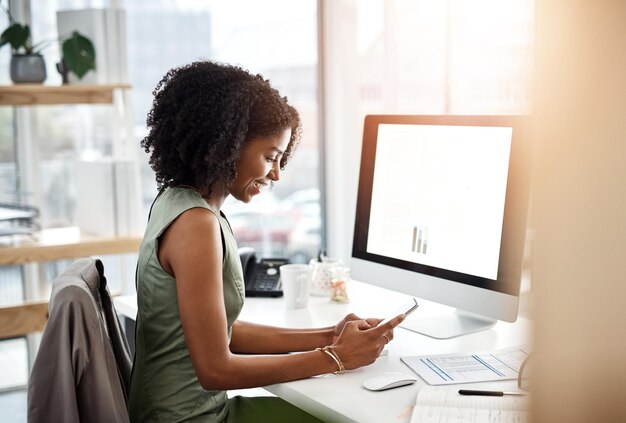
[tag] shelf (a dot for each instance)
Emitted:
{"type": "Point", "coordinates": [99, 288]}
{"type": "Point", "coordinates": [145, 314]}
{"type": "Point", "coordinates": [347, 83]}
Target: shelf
{"type": "Point", "coordinates": [33, 94]}
{"type": "Point", "coordinates": [20, 320]}
{"type": "Point", "coordinates": [62, 243]}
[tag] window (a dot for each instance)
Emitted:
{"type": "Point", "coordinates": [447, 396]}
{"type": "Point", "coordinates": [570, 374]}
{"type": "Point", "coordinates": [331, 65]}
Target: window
{"type": "Point", "coordinates": [277, 38]}
{"type": "Point", "coordinates": [414, 57]}
{"type": "Point", "coordinates": [444, 57]}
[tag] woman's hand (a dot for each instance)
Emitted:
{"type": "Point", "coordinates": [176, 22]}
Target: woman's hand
{"type": "Point", "coordinates": [339, 326]}
{"type": "Point", "coordinates": [360, 341]}
{"type": "Point", "coordinates": [350, 318]}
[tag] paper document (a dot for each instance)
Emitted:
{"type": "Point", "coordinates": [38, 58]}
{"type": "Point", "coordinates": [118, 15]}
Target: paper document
{"type": "Point", "coordinates": [443, 404]}
{"type": "Point", "coordinates": [447, 369]}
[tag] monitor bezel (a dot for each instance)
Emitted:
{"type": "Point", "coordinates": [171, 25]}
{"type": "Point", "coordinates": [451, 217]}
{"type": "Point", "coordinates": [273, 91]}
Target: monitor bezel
{"type": "Point", "coordinates": [516, 199]}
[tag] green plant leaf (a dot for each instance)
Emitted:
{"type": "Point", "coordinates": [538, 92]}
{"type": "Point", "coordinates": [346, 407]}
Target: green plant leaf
{"type": "Point", "coordinates": [79, 54]}
{"type": "Point", "coordinates": [17, 35]}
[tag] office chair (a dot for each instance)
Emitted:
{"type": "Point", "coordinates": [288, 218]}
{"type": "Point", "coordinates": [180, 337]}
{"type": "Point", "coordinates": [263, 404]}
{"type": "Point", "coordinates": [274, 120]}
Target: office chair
{"type": "Point", "coordinates": [82, 369]}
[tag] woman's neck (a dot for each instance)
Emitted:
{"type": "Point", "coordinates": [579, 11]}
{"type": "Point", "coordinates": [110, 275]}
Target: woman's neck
{"type": "Point", "coordinates": [217, 198]}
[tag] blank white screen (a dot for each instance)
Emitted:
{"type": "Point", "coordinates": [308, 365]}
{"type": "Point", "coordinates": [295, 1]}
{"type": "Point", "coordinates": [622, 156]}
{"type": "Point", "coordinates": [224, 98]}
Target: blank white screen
{"type": "Point", "coordinates": [438, 196]}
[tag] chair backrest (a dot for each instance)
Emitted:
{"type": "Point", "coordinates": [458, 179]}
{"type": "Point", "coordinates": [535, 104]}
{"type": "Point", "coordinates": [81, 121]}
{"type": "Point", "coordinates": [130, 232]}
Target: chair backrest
{"type": "Point", "coordinates": [82, 369]}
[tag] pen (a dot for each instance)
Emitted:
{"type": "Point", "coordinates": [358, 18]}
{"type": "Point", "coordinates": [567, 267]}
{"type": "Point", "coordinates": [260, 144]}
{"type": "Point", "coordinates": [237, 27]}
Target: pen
{"type": "Point", "coordinates": [489, 393]}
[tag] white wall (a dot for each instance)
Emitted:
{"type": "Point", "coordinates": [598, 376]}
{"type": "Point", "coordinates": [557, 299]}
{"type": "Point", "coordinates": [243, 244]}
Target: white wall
{"type": "Point", "coordinates": [579, 269]}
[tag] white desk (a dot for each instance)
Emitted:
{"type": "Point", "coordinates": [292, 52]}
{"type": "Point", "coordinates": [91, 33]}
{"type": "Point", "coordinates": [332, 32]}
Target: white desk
{"type": "Point", "coordinates": [342, 398]}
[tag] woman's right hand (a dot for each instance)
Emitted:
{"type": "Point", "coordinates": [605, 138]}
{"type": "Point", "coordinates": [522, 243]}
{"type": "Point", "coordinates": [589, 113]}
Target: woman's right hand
{"type": "Point", "coordinates": [360, 344]}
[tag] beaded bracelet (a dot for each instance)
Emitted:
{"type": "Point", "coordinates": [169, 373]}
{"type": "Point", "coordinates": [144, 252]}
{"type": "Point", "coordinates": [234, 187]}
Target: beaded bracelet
{"type": "Point", "coordinates": [332, 354]}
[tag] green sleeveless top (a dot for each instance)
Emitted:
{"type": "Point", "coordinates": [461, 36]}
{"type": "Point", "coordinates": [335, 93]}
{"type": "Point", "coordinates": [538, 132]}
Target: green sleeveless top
{"type": "Point", "coordinates": [164, 385]}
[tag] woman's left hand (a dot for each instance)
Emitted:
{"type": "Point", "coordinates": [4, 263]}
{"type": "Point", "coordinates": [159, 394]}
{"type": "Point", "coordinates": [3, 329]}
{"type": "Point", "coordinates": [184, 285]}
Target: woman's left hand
{"type": "Point", "coordinates": [350, 317]}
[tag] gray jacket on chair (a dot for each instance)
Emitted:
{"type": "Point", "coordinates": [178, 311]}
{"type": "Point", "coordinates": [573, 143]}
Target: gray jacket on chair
{"type": "Point", "coordinates": [82, 369]}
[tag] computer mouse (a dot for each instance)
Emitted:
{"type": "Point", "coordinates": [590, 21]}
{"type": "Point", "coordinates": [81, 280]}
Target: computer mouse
{"type": "Point", "coordinates": [390, 380]}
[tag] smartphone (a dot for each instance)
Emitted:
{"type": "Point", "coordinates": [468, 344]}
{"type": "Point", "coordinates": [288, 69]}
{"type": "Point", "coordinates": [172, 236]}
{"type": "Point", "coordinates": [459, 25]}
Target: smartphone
{"type": "Point", "coordinates": [406, 309]}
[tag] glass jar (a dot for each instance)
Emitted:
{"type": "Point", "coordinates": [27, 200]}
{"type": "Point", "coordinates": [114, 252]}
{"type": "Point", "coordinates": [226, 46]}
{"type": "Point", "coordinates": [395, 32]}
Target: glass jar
{"type": "Point", "coordinates": [339, 284]}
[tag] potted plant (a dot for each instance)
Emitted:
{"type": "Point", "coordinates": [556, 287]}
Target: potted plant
{"type": "Point", "coordinates": [78, 55]}
{"type": "Point", "coordinates": [27, 62]}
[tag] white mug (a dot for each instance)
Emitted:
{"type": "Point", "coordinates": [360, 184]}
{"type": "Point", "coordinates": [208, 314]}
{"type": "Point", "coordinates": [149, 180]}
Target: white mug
{"type": "Point", "coordinates": [295, 282]}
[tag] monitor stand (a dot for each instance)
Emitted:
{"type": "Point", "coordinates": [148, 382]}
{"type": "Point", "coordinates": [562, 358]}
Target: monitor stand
{"type": "Point", "coordinates": [448, 325]}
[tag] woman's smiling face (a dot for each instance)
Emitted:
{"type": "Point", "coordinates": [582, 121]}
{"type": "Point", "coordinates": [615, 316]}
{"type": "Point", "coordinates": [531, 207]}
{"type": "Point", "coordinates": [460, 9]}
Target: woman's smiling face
{"type": "Point", "coordinates": [258, 165]}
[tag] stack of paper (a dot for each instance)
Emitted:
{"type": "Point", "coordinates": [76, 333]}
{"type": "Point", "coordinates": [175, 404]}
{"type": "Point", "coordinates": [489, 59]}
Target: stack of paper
{"type": "Point", "coordinates": [447, 369]}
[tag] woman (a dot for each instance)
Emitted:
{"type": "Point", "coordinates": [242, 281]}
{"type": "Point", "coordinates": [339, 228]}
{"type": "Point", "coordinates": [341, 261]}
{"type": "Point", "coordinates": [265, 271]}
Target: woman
{"type": "Point", "coordinates": [215, 131]}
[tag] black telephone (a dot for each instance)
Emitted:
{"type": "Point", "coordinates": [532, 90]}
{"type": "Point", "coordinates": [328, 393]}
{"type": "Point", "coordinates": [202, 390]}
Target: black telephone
{"type": "Point", "coordinates": [262, 278]}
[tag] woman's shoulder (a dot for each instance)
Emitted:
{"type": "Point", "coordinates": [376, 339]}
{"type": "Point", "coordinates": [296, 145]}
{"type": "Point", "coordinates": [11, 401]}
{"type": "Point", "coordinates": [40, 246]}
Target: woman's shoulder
{"type": "Point", "coordinates": [170, 204]}
{"type": "Point", "coordinates": [183, 198]}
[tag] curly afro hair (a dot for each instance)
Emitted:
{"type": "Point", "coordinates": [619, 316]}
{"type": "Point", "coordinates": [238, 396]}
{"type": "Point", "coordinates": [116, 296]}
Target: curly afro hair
{"type": "Point", "coordinates": [203, 114]}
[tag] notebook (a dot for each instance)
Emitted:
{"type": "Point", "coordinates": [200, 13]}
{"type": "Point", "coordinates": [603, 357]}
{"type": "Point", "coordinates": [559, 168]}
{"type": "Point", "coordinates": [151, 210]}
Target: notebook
{"type": "Point", "coordinates": [435, 404]}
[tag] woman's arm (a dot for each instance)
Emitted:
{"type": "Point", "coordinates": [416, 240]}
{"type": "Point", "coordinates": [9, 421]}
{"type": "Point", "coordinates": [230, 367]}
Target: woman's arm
{"type": "Point", "coordinates": [252, 338]}
{"type": "Point", "coordinates": [191, 251]}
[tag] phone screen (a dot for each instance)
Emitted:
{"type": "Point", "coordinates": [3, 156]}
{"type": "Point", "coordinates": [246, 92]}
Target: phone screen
{"type": "Point", "coordinates": [406, 309]}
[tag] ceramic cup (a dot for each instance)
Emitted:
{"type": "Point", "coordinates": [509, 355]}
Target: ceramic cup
{"type": "Point", "coordinates": [295, 283]}
{"type": "Point", "coordinates": [322, 276]}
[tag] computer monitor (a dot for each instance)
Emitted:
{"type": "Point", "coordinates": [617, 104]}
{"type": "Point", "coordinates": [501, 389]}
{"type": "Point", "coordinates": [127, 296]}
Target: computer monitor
{"type": "Point", "coordinates": [441, 215]}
